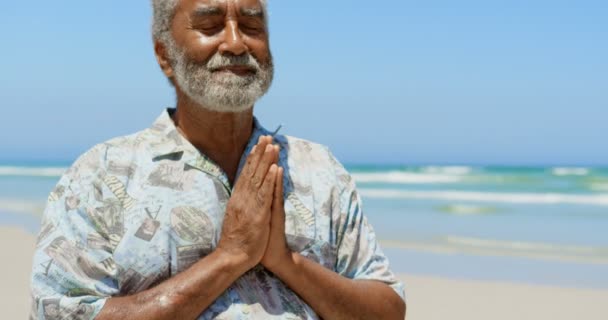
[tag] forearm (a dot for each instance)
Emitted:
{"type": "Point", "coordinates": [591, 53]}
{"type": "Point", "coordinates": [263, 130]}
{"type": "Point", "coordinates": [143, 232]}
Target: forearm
{"type": "Point", "coordinates": [184, 296]}
{"type": "Point", "coordinates": [335, 297]}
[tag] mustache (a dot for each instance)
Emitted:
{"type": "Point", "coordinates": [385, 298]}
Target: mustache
{"type": "Point", "coordinates": [218, 61]}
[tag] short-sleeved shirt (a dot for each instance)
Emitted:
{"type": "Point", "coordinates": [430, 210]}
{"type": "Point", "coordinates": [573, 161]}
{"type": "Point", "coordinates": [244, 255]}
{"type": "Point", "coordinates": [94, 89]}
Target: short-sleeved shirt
{"type": "Point", "coordinates": [139, 209]}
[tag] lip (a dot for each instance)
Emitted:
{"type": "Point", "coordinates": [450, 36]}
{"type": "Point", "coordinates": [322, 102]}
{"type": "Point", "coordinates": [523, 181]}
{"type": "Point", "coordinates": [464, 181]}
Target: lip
{"type": "Point", "coordinates": [238, 70]}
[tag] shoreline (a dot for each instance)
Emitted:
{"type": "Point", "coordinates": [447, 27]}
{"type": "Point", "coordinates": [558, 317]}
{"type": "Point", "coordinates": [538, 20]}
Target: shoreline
{"type": "Point", "coordinates": [428, 297]}
{"type": "Point", "coordinates": [424, 259]}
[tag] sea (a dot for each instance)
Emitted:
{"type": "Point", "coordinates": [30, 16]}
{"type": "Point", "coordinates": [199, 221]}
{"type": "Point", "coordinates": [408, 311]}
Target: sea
{"type": "Point", "coordinates": [540, 225]}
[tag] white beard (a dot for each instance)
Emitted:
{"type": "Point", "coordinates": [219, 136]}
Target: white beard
{"type": "Point", "coordinates": [222, 91]}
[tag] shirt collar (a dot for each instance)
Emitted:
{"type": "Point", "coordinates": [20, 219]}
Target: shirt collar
{"type": "Point", "coordinates": [167, 139]}
{"type": "Point", "coordinates": [169, 143]}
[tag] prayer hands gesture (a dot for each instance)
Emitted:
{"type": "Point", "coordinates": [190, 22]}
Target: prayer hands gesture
{"type": "Point", "coordinates": [254, 225]}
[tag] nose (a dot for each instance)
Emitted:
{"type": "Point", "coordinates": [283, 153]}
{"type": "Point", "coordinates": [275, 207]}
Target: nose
{"type": "Point", "coordinates": [233, 41]}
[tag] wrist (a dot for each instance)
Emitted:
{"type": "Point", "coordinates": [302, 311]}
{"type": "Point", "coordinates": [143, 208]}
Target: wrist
{"type": "Point", "coordinates": [286, 265]}
{"type": "Point", "coordinates": [234, 260]}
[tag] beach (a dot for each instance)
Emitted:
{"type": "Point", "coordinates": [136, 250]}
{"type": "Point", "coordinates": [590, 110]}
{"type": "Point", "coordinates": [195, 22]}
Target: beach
{"type": "Point", "coordinates": [15, 275]}
{"type": "Point", "coordinates": [433, 298]}
{"type": "Point", "coordinates": [428, 297]}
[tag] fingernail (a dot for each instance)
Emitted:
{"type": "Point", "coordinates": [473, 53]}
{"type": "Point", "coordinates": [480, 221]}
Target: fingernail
{"type": "Point", "coordinates": [269, 148]}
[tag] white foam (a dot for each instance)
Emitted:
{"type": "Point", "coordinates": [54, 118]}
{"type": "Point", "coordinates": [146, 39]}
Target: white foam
{"type": "Point", "coordinates": [522, 198]}
{"type": "Point", "coordinates": [570, 171]}
{"type": "Point", "coordinates": [404, 178]}
{"type": "Point", "coordinates": [523, 246]}
{"type": "Point", "coordinates": [449, 170]}
{"type": "Point", "coordinates": [32, 172]}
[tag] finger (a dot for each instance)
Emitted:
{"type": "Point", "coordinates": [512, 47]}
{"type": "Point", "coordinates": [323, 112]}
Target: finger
{"type": "Point", "coordinates": [254, 157]}
{"type": "Point", "coordinates": [278, 210]}
{"type": "Point", "coordinates": [278, 206]}
{"type": "Point", "coordinates": [264, 194]}
{"type": "Point", "coordinates": [277, 151]}
{"type": "Point", "coordinates": [278, 190]}
{"type": "Point", "coordinates": [268, 158]}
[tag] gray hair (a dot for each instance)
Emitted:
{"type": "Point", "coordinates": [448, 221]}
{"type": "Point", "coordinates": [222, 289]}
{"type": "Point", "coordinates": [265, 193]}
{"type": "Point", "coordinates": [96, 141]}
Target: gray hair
{"type": "Point", "coordinates": [163, 12]}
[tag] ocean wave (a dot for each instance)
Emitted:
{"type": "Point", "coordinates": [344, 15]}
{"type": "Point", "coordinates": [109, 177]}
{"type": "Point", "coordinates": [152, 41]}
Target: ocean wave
{"type": "Point", "coordinates": [525, 246]}
{"type": "Point", "coordinates": [492, 247]}
{"type": "Point", "coordinates": [570, 171]}
{"type": "Point", "coordinates": [400, 177]}
{"type": "Point", "coordinates": [32, 171]}
{"type": "Point", "coordinates": [449, 170]}
{"type": "Point", "coordinates": [520, 198]}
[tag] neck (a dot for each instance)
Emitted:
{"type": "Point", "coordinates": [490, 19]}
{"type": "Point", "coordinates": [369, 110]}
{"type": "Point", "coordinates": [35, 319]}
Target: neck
{"type": "Point", "coordinates": [222, 136]}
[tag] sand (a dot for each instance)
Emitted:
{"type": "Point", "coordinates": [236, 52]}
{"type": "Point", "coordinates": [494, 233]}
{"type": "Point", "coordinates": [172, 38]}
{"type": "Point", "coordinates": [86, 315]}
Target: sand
{"type": "Point", "coordinates": [16, 268]}
{"type": "Point", "coordinates": [433, 298]}
{"type": "Point", "coordinates": [429, 298]}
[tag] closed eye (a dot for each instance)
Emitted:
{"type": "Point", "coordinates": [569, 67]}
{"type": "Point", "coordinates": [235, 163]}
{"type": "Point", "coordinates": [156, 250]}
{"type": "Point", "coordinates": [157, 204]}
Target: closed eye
{"type": "Point", "coordinates": [209, 29]}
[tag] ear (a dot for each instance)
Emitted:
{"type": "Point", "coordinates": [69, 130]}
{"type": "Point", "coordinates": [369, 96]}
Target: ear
{"type": "Point", "coordinates": [163, 59]}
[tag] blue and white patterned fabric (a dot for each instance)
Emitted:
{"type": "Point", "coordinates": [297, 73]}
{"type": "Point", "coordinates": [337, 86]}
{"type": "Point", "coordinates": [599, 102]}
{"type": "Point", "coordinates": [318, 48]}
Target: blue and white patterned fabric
{"type": "Point", "coordinates": [136, 210]}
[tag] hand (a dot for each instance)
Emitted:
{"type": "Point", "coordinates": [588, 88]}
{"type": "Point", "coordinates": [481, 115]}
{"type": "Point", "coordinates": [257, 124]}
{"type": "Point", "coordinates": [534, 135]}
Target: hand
{"type": "Point", "coordinates": [277, 253]}
{"type": "Point", "coordinates": [246, 227]}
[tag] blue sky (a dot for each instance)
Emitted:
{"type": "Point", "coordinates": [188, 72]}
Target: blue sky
{"type": "Point", "coordinates": [396, 81]}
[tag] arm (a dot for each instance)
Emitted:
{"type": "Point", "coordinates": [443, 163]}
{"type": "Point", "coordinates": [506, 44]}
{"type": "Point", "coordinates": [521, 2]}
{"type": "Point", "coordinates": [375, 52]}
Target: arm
{"type": "Point", "coordinates": [333, 296]}
{"type": "Point", "coordinates": [330, 294]}
{"type": "Point", "coordinates": [184, 296]}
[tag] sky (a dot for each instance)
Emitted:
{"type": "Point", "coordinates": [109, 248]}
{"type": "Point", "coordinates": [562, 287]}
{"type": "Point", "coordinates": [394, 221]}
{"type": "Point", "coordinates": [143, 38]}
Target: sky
{"type": "Point", "coordinates": [396, 81]}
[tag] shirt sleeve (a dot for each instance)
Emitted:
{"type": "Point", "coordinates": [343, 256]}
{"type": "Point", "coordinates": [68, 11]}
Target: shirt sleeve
{"type": "Point", "coordinates": [359, 255]}
{"type": "Point", "coordinates": [73, 271]}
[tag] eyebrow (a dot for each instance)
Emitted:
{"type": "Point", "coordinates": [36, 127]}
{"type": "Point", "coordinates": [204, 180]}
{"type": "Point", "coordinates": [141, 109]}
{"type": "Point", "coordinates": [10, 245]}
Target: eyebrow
{"type": "Point", "coordinates": [252, 12]}
{"type": "Point", "coordinates": [205, 11]}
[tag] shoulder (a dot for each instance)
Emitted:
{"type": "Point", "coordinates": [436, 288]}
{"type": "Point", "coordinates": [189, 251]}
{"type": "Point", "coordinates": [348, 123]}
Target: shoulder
{"type": "Point", "coordinates": [315, 159]}
{"type": "Point", "coordinates": [120, 152]}
{"type": "Point", "coordinates": [307, 153]}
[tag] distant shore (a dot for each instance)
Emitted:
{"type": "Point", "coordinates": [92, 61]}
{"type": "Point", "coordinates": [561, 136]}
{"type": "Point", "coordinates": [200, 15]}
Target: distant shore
{"type": "Point", "coordinates": [428, 297]}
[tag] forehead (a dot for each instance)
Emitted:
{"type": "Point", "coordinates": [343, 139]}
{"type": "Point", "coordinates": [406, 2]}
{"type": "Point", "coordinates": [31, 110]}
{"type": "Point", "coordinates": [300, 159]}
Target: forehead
{"type": "Point", "coordinates": [221, 4]}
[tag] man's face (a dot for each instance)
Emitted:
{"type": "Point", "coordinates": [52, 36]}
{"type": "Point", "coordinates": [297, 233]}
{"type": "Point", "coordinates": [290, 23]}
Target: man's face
{"type": "Point", "coordinates": [221, 56]}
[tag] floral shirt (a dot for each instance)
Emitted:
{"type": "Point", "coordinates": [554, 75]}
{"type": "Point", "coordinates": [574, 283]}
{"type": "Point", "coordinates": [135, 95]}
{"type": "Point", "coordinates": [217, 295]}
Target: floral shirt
{"type": "Point", "coordinates": [139, 209]}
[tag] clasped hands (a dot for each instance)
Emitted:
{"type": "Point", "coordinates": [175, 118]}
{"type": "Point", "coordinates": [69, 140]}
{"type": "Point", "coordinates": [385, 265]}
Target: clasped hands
{"type": "Point", "coordinates": [254, 225]}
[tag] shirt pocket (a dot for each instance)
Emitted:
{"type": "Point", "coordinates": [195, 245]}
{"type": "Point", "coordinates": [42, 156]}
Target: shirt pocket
{"type": "Point", "coordinates": [192, 236]}
{"type": "Point", "coordinates": [301, 230]}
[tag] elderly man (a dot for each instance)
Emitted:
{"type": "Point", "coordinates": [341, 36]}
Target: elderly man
{"type": "Point", "coordinates": [206, 214]}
